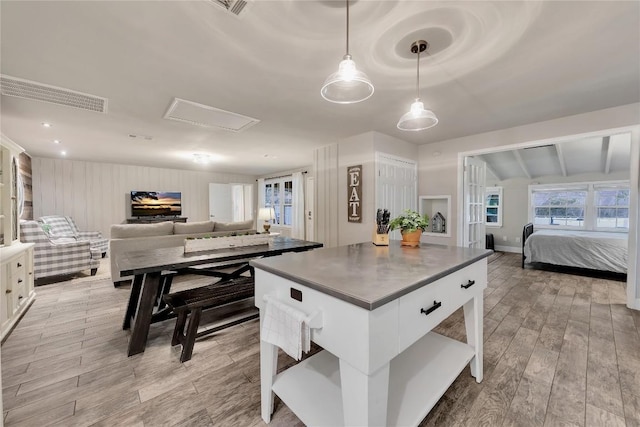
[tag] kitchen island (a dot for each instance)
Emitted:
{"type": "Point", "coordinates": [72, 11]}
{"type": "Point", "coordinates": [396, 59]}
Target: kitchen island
{"type": "Point", "coordinates": [373, 309]}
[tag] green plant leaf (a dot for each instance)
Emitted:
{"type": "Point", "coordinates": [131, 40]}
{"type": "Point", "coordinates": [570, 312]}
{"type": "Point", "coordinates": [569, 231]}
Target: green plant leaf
{"type": "Point", "coordinates": [409, 220]}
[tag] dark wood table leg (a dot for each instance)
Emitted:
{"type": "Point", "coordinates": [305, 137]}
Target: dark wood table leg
{"type": "Point", "coordinates": [144, 312]}
{"type": "Point", "coordinates": [133, 301]}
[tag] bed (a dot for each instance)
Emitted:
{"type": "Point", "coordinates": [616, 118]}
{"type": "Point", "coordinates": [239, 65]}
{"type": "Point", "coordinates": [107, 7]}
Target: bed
{"type": "Point", "coordinates": [594, 250]}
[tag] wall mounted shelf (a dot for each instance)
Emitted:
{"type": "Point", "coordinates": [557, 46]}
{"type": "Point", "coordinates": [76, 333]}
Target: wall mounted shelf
{"type": "Point", "coordinates": [431, 205]}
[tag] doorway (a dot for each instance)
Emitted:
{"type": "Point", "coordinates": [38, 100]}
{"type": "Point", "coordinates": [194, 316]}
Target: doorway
{"type": "Point", "coordinates": [633, 285]}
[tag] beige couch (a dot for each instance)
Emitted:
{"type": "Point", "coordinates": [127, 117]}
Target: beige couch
{"type": "Point", "coordinates": [137, 237]}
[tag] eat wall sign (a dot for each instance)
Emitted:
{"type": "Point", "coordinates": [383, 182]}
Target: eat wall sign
{"type": "Point", "coordinates": [354, 190]}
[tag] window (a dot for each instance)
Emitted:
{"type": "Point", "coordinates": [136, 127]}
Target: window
{"type": "Point", "coordinates": [493, 206]}
{"type": "Point", "coordinates": [587, 206]}
{"type": "Point", "coordinates": [612, 208]}
{"type": "Point", "coordinates": [563, 207]}
{"type": "Point", "coordinates": [278, 194]}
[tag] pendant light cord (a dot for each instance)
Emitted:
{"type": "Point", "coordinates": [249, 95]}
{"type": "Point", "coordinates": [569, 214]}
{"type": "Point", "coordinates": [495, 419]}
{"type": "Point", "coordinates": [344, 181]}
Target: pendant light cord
{"type": "Point", "coordinates": [347, 27]}
{"type": "Point", "coordinates": [418, 74]}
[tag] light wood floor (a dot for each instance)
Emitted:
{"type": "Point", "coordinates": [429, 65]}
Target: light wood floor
{"type": "Point", "coordinates": [560, 350]}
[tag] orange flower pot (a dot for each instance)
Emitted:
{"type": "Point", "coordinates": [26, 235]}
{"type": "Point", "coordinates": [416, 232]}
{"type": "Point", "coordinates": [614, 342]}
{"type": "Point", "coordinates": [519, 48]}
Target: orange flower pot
{"type": "Point", "coordinates": [411, 238]}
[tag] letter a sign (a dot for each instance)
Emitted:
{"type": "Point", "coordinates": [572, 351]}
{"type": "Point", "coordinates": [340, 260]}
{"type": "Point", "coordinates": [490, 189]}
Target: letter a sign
{"type": "Point", "coordinates": [354, 191]}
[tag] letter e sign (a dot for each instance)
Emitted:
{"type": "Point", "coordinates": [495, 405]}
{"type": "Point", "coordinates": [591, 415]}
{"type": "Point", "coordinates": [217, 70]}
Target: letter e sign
{"type": "Point", "coordinates": [354, 192]}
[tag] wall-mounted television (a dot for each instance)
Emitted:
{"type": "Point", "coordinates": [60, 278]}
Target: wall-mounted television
{"type": "Point", "coordinates": [156, 203]}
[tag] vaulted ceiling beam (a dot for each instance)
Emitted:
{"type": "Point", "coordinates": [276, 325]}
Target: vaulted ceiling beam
{"type": "Point", "coordinates": [563, 164]}
{"type": "Point", "coordinates": [518, 156]}
{"type": "Point", "coordinates": [490, 169]}
{"type": "Point", "coordinates": [607, 149]}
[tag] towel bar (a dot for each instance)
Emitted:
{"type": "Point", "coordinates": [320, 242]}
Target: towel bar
{"type": "Point", "coordinates": [314, 320]}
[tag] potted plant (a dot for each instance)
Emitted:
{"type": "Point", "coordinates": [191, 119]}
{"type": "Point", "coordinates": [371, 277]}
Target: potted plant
{"type": "Point", "coordinates": [411, 225]}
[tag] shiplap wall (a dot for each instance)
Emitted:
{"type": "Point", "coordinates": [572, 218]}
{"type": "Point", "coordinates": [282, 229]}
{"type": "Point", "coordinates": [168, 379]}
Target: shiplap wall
{"type": "Point", "coordinates": [97, 195]}
{"type": "Point", "coordinates": [325, 164]}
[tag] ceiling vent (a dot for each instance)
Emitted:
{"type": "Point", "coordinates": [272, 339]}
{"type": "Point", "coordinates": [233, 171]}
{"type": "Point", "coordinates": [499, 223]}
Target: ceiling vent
{"type": "Point", "coordinates": [26, 89]}
{"type": "Point", "coordinates": [236, 7]}
{"type": "Point", "coordinates": [204, 115]}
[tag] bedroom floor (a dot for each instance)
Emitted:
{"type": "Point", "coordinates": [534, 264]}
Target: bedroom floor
{"type": "Point", "coordinates": [559, 350]}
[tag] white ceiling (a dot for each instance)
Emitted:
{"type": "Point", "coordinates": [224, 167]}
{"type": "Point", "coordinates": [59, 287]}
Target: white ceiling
{"type": "Point", "coordinates": [492, 65]}
{"type": "Point", "coordinates": [569, 159]}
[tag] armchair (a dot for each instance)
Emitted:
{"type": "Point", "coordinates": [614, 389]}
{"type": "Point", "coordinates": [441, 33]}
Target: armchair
{"type": "Point", "coordinates": [64, 226]}
{"type": "Point", "coordinates": [60, 256]}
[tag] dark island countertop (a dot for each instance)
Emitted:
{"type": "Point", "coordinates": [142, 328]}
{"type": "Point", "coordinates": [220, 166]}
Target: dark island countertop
{"type": "Point", "coordinates": [370, 276]}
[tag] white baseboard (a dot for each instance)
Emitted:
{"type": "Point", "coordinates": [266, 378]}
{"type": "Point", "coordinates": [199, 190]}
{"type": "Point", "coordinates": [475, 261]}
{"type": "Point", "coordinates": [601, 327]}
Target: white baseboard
{"type": "Point", "coordinates": [514, 249]}
{"type": "Point", "coordinates": [635, 304]}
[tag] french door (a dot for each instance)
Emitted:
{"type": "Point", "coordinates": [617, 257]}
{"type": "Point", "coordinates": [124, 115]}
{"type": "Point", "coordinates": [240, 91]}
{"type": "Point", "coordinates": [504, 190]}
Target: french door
{"type": "Point", "coordinates": [475, 173]}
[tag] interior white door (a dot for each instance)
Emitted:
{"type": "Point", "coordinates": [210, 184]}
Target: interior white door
{"type": "Point", "coordinates": [309, 210]}
{"type": "Point", "coordinates": [220, 202]}
{"type": "Point", "coordinates": [475, 174]}
{"type": "Point", "coordinates": [396, 186]}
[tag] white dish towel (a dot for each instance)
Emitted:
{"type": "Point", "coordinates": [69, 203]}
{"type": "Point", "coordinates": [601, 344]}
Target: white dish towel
{"type": "Point", "coordinates": [285, 327]}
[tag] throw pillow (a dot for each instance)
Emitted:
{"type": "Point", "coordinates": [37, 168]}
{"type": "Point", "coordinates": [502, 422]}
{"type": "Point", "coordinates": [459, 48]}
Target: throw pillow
{"type": "Point", "coordinates": [124, 231]}
{"type": "Point", "coordinates": [193, 227]}
{"type": "Point", "coordinates": [232, 226]}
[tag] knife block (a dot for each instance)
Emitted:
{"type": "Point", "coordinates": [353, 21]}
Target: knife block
{"type": "Point", "coordinates": [380, 239]}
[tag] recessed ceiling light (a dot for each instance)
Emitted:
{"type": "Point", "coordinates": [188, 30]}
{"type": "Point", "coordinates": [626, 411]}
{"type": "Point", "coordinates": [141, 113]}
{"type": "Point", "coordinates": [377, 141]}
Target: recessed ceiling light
{"type": "Point", "coordinates": [57, 141]}
{"type": "Point", "coordinates": [201, 158]}
{"type": "Point", "coordinates": [64, 153]}
{"type": "Point", "coordinates": [47, 125]}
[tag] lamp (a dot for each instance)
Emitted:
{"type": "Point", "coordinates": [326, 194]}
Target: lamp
{"type": "Point", "coordinates": [348, 85]}
{"type": "Point", "coordinates": [418, 118]}
{"type": "Point", "coordinates": [267, 215]}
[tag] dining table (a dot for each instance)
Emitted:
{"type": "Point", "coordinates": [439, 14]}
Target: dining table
{"type": "Point", "coordinates": [150, 269]}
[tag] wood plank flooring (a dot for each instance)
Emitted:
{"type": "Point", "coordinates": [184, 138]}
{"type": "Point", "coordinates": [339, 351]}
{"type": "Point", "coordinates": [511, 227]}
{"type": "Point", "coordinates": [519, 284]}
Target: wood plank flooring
{"type": "Point", "coordinates": [560, 350]}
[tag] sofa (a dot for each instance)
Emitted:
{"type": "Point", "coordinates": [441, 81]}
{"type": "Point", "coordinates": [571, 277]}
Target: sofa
{"type": "Point", "coordinates": [138, 237]}
{"type": "Point", "coordinates": [58, 256]}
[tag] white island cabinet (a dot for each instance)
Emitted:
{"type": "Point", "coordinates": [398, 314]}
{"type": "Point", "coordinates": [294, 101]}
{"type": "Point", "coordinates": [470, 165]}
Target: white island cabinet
{"type": "Point", "coordinates": [381, 363]}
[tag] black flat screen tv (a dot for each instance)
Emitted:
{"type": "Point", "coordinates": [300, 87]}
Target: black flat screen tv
{"type": "Point", "coordinates": [156, 203]}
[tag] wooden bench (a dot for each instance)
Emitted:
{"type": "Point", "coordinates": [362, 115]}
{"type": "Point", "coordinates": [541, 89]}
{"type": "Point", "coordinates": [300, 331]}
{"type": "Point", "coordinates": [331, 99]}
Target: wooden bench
{"type": "Point", "coordinates": [188, 305]}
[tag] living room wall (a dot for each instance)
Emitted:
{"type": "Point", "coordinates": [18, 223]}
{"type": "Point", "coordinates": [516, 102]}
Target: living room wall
{"type": "Point", "coordinates": [331, 164]}
{"type": "Point", "coordinates": [96, 195]}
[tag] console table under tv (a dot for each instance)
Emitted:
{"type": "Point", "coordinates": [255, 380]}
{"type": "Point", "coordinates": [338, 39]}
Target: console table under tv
{"type": "Point", "coordinates": [154, 219]}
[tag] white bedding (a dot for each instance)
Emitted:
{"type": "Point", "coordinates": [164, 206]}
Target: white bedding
{"type": "Point", "coordinates": [596, 250]}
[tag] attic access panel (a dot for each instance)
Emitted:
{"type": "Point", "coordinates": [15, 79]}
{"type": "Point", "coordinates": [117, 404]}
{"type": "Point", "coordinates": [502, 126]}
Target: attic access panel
{"type": "Point", "coordinates": [204, 115]}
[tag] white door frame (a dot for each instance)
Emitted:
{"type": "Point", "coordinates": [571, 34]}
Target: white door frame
{"type": "Point", "coordinates": [633, 271]}
{"type": "Point", "coordinates": [309, 208]}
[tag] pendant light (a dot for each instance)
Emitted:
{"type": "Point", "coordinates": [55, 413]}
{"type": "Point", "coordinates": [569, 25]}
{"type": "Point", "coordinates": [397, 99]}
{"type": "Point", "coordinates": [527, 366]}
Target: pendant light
{"type": "Point", "coordinates": [348, 85]}
{"type": "Point", "coordinates": [418, 118]}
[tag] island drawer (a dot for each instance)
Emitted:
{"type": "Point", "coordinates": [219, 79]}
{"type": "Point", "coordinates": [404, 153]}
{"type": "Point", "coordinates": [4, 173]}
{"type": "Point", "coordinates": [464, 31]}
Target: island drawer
{"type": "Point", "coordinates": [423, 309]}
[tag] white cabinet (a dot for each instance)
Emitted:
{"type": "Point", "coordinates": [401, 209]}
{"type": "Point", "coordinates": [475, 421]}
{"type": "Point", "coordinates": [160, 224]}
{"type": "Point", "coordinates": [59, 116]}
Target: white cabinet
{"type": "Point", "coordinates": [16, 258]}
{"type": "Point", "coordinates": [379, 367]}
{"type": "Point", "coordinates": [10, 191]}
{"type": "Point", "coordinates": [16, 284]}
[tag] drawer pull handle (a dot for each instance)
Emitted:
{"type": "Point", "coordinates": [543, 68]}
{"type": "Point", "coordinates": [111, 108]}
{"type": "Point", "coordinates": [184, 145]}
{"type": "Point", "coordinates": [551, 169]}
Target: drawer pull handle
{"type": "Point", "coordinates": [19, 296]}
{"type": "Point", "coordinates": [19, 265]}
{"type": "Point", "coordinates": [469, 284]}
{"type": "Point", "coordinates": [8, 291]}
{"type": "Point", "coordinates": [19, 280]}
{"type": "Point", "coordinates": [436, 305]}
